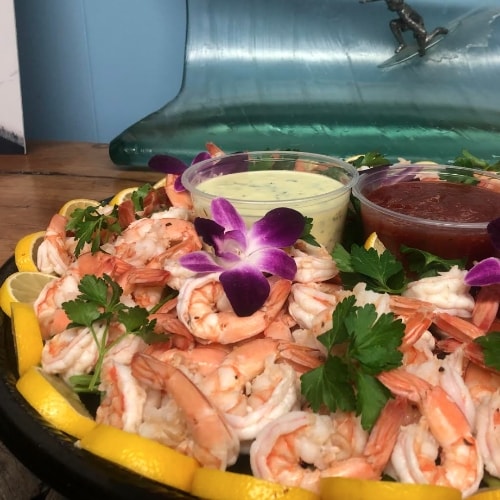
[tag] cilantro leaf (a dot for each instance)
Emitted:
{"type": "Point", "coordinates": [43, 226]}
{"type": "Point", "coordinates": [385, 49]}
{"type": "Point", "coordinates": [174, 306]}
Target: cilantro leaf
{"type": "Point", "coordinates": [491, 349]}
{"type": "Point", "coordinates": [381, 272]}
{"type": "Point", "coordinates": [329, 385]}
{"type": "Point", "coordinates": [425, 264]}
{"type": "Point", "coordinates": [375, 339]}
{"type": "Point", "coordinates": [90, 226]}
{"type": "Point", "coordinates": [306, 233]}
{"type": "Point", "coordinates": [372, 397]}
{"type": "Point", "coordinates": [467, 159]}
{"type": "Point", "coordinates": [96, 308]}
{"type": "Point", "coordinates": [360, 345]}
{"type": "Point", "coordinates": [370, 159]}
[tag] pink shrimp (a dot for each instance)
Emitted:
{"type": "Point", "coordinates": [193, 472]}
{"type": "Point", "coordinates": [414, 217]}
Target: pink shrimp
{"type": "Point", "coordinates": [204, 309]}
{"type": "Point", "coordinates": [211, 440]}
{"type": "Point", "coordinates": [440, 449]}
{"type": "Point", "coordinates": [123, 400]}
{"type": "Point", "coordinates": [254, 384]}
{"type": "Point", "coordinates": [149, 241]}
{"type": "Point", "coordinates": [300, 448]}
{"type": "Point", "coordinates": [53, 255]}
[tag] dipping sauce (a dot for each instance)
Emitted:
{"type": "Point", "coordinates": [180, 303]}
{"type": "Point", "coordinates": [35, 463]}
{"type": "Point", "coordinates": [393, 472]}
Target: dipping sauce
{"type": "Point", "coordinates": [440, 201]}
{"type": "Point", "coordinates": [255, 193]}
{"type": "Point", "coordinates": [447, 219]}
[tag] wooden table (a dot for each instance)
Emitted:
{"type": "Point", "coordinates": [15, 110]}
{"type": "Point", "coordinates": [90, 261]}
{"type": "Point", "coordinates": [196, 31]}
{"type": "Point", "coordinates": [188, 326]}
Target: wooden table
{"type": "Point", "coordinates": [36, 185]}
{"type": "Point", "coordinates": [33, 188]}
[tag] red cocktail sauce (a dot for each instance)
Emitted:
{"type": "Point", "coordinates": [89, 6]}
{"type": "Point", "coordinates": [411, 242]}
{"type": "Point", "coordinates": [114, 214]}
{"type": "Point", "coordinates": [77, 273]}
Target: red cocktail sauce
{"type": "Point", "coordinates": [437, 201]}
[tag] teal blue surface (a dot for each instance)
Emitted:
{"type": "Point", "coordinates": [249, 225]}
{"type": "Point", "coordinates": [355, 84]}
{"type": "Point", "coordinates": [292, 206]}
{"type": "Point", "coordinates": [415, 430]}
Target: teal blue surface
{"type": "Point", "coordinates": [304, 74]}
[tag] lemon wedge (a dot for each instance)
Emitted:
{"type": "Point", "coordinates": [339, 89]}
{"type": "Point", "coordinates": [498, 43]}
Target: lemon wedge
{"type": "Point", "coordinates": [22, 287]}
{"type": "Point", "coordinates": [141, 455]}
{"type": "Point", "coordinates": [224, 485]}
{"type": "Point", "coordinates": [340, 488]}
{"type": "Point", "coordinates": [373, 241]}
{"type": "Point", "coordinates": [26, 250]}
{"type": "Point", "coordinates": [487, 494]}
{"type": "Point", "coordinates": [55, 401]}
{"type": "Point", "coordinates": [123, 195]}
{"type": "Point", "coordinates": [28, 341]}
{"type": "Point", "coordinates": [70, 206]}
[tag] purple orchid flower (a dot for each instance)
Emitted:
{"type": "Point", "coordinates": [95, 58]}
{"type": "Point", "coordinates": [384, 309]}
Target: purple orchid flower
{"type": "Point", "coordinates": [243, 256]}
{"type": "Point", "coordinates": [487, 271]}
{"type": "Point", "coordinates": [171, 165]}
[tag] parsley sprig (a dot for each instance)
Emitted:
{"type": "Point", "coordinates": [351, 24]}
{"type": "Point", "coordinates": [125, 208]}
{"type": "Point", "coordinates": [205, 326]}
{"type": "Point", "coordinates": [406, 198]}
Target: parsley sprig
{"type": "Point", "coordinates": [98, 306]}
{"type": "Point", "coordinates": [381, 272]}
{"type": "Point", "coordinates": [90, 225]}
{"type": "Point", "coordinates": [360, 346]}
{"type": "Point", "coordinates": [490, 345]}
{"type": "Point", "coordinates": [306, 233]}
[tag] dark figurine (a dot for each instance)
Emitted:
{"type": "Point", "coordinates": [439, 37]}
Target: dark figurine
{"type": "Point", "coordinates": [409, 20]}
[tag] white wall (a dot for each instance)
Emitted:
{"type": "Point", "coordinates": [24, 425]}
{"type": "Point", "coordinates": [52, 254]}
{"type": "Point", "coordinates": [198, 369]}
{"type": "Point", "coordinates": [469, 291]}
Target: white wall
{"type": "Point", "coordinates": [91, 68]}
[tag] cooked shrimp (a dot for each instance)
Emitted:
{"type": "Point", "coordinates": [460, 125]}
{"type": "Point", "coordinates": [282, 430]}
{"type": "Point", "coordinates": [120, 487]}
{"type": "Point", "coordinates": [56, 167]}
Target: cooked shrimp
{"type": "Point", "coordinates": [314, 264]}
{"type": "Point", "coordinates": [251, 388]}
{"type": "Point", "coordinates": [155, 238]}
{"type": "Point", "coordinates": [211, 440]}
{"type": "Point", "coordinates": [71, 352]}
{"type": "Point", "coordinates": [440, 449]}
{"type": "Point", "coordinates": [123, 400]}
{"type": "Point", "coordinates": [203, 307]}
{"type": "Point", "coordinates": [300, 448]}
{"type": "Point", "coordinates": [486, 307]}
{"type": "Point", "coordinates": [448, 292]}
{"type": "Point", "coordinates": [311, 306]}
{"type": "Point", "coordinates": [53, 255]}
{"type": "Point", "coordinates": [484, 386]}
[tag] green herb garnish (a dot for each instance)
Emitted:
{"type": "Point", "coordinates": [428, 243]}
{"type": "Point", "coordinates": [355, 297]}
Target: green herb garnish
{"type": "Point", "coordinates": [96, 308]}
{"type": "Point", "coordinates": [425, 264]}
{"type": "Point", "coordinates": [490, 345]}
{"type": "Point", "coordinates": [467, 159]}
{"type": "Point", "coordinates": [381, 272]}
{"type": "Point", "coordinates": [370, 159]}
{"type": "Point", "coordinates": [90, 226]}
{"type": "Point", "coordinates": [306, 233]}
{"type": "Point", "coordinates": [361, 345]}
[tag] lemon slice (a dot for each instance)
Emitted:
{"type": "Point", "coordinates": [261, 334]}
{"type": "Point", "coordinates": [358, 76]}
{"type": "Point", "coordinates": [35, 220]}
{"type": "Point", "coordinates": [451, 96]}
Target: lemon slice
{"type": "Point", "coordinates": [22, 287]}
{"type": "Point", "coordinates": [28, 341]}
{"type": "Point", "coordinates": [340, 488]}
{"type": "Point", "coordinates": [141, 455]}
{"type": "Point", "coordinates": [223, 485]}
{"type": "Point", "coordinates": [26, 250]}
{"type": "Point", "coordinates": [55, 401]}
{"type": "Point", "coordinates": [70, 206]}
{"type": "Point", "coordinates": [488, 494]}
{"type": "Point", "coordinates": [373, 241]}
{"type": "Point", "coordinates": [161, 183]}
{"type": "Point", "coordinates": [124, 194]}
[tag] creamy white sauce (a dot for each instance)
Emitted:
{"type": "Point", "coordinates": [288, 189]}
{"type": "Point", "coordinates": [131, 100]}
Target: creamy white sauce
{"type": "Point", "coordinates": [311, 194]}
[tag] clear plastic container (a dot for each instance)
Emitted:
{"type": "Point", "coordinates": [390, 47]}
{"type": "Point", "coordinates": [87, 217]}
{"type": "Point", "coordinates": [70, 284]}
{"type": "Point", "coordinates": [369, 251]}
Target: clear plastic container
{"type": "Point", "coordinates": [256, 182]}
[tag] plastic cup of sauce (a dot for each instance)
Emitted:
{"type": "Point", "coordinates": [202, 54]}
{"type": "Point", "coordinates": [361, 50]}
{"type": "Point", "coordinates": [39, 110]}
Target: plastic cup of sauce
{"type": "Point", "coordinates": [441, 209]}
{"type": "Point", "coordinates": [256, 182]}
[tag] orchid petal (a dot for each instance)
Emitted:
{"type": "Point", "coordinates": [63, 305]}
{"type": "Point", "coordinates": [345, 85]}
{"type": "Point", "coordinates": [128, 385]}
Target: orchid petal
{"type": "Point", "coordinates": [494, 232]}
{"type": "Point", "coordinates": [274, 261]}
{"type": "Point", "coordinates": [280, 227]}
{"type": "Point", "coordinates": [226, 215]}
{"type": "Point", "coordinates": [209, 230]}
{"type": "Point", "coordinates": [178, 186]}
{"type": "Point", "coordinates": [202, 156]}
{"type": "Point", "coordinates": [200, 262]}
{"type": "Point", "coordinates": [167, 164]}
{"type": "Point", "coordinates": [246, 289]}
{"type": "Point", "coordinates": [485, 272]}
{"type": "Point", "coordinates": [236, 240]}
